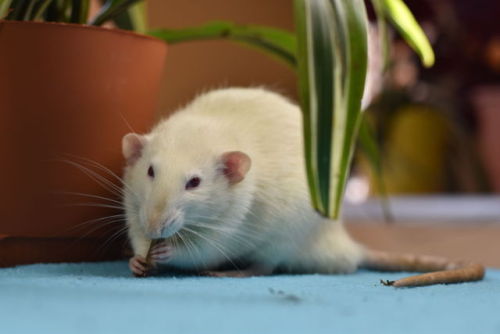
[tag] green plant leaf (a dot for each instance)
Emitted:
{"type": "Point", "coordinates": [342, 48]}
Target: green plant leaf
{"type": "Point", "coordinates": [17, 10]}
{"type": "Point", "coordinates": [277, 42]}
{"type": "Point", "coordinates": [332, 49]}
{"type": "Point", "coordinates": [404, 21]}
{"type": "Point", "coordinates": [80, 11]}
{"type": "Point", "coordinates": [110, 10]}
{"type": "Point", "coordinates": [133, 19]}
{"type": "Point", "coordinates": [4, 8]}
{"type": "Point", "coordinates": [301, 27]}
{"type": "Point", "coordinates": [29, 10]}
{"type": "Point", "coordinates": [138, 16]}
{"type": "Point", "coordinates": [352, 15]}
{"type": "Point", "coordinates": [123, 21]}
{"type": "Point", "coordinates": [42, 7]}
{"type": "Point", "coordinates": [63, 11]}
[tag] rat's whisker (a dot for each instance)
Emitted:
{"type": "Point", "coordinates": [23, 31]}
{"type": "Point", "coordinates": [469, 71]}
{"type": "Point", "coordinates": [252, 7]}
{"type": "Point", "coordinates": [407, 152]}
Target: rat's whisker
{"type": "Point", "coordinates": [97, 220]}
{"type": "Point", "coordinates": [108, 199]}
{"type": "Point", "coordinates": [94, 204]}
{"type": "Point", "coordinates": [214, 244]}
{"type": "Point", "coordinates": [197, 250]}
{"type": "Point", "coordinates": [241, 231]}
{"type": "Point", "coordinates": [112, 223]}
{"type": "Point", "coordinates": [114, 237]}
{"type": "Point", "coordinates": [106, 170]}
{"type": "Point", "coordinates": [188, 248]}
{"type": "Point", "coordinates": [116, 234]}
{"type": "Point", "coordinates": [231, 233]}
{"type": "Point", "coordinates": [99, 179]}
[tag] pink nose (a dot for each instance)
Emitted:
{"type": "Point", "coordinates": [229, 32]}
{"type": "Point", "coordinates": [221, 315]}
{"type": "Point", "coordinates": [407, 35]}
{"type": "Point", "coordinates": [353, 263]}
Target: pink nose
{"type": "Point", "coordinates": [161, 228]}
{"type": "Point", "coordinates": [170, 227]}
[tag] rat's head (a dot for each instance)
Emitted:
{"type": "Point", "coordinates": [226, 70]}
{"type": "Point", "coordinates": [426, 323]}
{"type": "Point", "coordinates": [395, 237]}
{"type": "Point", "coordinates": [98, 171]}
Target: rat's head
{"type": "Point", "coordinates": [174, 185]}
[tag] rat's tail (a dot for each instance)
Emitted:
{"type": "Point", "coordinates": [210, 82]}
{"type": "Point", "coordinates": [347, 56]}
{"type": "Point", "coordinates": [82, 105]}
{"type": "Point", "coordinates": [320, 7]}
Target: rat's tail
{"type": "Point", "coordinates": [438, 270]}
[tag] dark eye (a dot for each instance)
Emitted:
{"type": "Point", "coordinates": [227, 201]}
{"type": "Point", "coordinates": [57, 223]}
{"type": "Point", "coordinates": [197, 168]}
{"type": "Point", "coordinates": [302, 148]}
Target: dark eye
{"type": "Point", "coordinates": [193, 183]}
{"type": "Point", "coordinates": [151, 172]}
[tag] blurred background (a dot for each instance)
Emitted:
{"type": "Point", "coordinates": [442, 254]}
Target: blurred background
{"type": "Point", "coordinates": [437, 130]}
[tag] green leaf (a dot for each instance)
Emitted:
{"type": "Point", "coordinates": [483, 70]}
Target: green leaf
{"type": "Point", "coordinates": [301, 27]}
{"type": "Point", "coordinates": [41, 9]}
{"type": "Point", "coordinates": [29, 10]}
{"type": "Point", "coordinates": [133, 19]}
{"type": "Point", "coordinates": [404, 21]}
{"type": "Point", "coordinates": [80, 11]}
{"type": "Point", "coordinates": [332, 61]}
{"type": "Point", "coordinates": [17, 10]}
{"type": "Point", "coordinates": [64, 6]}
{"type": "Point", "coordinates": [4, 8]}
{"type": "Point", "coordinates": [138, 17]}
{"type": "Point", "coordinates": [277, 42]}
{"type": "Point", "coordinates": [347, 121]}
{"type": "Point", "coordinates": [123, 21]}
{"type": "Point", "coordinates": [50, 14]}
{"type": "Point", "coordinates": [110, 10]}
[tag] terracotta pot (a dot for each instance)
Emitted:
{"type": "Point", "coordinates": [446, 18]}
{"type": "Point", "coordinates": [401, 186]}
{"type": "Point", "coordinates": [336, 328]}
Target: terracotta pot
{"type": "Point", "coordinates": [68, 91]}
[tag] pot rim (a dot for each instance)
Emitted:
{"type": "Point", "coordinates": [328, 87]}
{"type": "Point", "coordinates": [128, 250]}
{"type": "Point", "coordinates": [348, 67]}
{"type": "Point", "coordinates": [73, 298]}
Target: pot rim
{"type": "Point", "coordinates": [77, 26]}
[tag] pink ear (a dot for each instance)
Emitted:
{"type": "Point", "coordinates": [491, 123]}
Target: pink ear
{"type": "Point", "coordinates": [132, 145]}
{"type": "Point", "coordinates": [236, 166]}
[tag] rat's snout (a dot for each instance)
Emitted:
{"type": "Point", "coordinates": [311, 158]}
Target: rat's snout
{"type": "Point", "coordinates": [163, 224]}
{"type": "Point", "coordinates": [172, 224]}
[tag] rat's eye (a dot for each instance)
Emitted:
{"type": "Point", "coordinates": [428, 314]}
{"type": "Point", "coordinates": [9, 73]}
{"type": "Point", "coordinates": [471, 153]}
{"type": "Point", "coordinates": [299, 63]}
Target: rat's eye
{"type": "Point", "coordinates": [193, 183]}
{"type": "Point", "coordinates": [151, 172]}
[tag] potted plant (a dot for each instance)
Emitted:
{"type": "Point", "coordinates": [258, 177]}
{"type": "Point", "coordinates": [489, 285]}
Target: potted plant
{"type": "Point", "coordinates": [66, 89]}
{"type": "Point", "coordinates": [69, 90]}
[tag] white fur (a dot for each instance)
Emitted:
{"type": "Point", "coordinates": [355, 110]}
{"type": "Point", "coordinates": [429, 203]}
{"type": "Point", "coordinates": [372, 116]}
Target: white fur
{"type": "Point", "coordinates": [266, 218]}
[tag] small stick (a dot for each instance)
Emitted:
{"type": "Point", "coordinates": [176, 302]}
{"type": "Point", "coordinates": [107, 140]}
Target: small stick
{"type": "Point", "coordinates": [151, 267]}
{"type": "Point", "coordinates": [438, 270]}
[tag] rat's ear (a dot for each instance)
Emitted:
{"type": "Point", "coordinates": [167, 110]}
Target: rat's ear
{"type": "Point", "coordinates": [132, 145]}
{"type": "Point", "coordinates": [236, 165]}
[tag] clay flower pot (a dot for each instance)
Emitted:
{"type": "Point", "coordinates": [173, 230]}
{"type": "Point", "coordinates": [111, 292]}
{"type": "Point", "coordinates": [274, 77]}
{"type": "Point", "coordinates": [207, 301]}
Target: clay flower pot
{"type": "Point", "coordinates": [66, 91]}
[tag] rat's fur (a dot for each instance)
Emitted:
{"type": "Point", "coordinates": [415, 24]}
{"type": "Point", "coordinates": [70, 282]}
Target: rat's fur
{"type": "Point", "coordinates": [252, 205]}
{"type": "Point", "coordinates": [266, 219]}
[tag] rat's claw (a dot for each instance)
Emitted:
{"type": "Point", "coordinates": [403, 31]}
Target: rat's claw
{"type": "Point", "coordinates": [137, 265]}
{"type": "Point", "coordinates": [161, 252]}
{"type": "Point", "coordinates": [161, 246]}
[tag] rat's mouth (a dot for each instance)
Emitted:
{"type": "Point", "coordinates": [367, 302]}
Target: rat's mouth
{"type": "Point", "coordinates": [171, 227]}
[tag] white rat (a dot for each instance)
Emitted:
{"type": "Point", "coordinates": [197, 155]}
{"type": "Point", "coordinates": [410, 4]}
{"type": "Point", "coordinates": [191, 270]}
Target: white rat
{"type": "Point", "coordinates": [223, 183]}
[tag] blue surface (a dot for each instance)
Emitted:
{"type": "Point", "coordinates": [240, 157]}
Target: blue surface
{"type": "Point", "coordinates": [104, 298]}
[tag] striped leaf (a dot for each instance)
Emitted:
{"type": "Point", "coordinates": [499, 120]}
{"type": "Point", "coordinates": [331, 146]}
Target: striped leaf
{"type": "Point", "coordinates": [406, 24]}
{"type": "Point", "coordinates": [332, 62]}
{"type": "Point", "coordinates": [4, 8]}
{"type": "Point", "coordinates": [276, 42]}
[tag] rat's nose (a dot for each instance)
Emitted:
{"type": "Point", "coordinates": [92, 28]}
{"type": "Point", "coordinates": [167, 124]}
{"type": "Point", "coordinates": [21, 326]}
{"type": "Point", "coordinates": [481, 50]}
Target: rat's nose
{"type": "Point", "coordinates": [160, 226]}
{"type": "Point", "coordinates": [155, 224]}
{"type": "Point", "coordinates": [172, 224]}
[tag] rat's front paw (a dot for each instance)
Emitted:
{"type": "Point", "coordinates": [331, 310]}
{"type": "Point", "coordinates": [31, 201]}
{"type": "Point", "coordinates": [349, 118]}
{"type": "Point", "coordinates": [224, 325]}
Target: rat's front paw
{"type": "Point", "coordinates": [138, 265]}
{"type": "Point", "coordinates": [161, 252]}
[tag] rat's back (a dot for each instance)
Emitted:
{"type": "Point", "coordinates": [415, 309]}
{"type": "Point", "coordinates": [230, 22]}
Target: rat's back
{"type": "Point", "coordinates": [259, 122]}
